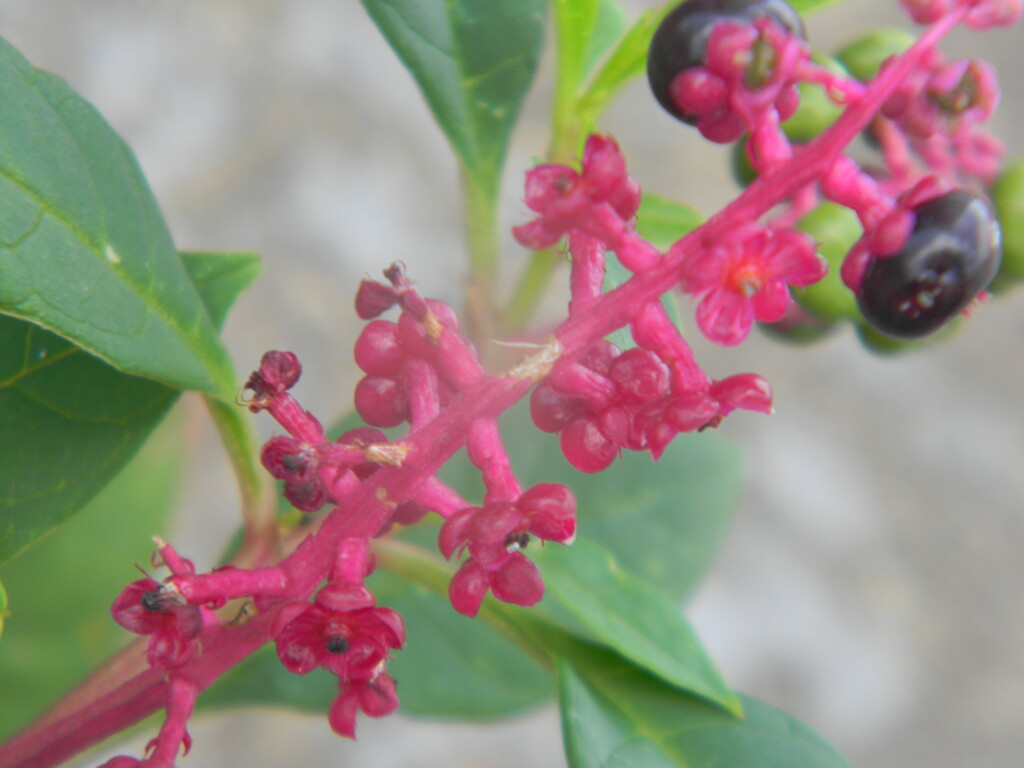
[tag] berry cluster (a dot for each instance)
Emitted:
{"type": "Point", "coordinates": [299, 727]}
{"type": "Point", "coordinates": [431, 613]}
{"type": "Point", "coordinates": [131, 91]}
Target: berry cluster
{"type": "Point", "coordinates": [731, 67]}
{"type": "Point", "coordinates": [726, 65]}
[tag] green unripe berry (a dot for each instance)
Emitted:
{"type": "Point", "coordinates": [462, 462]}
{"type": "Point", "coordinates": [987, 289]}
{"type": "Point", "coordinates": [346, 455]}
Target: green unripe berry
{"type": "Point", "coordinates": [1008, 198]}
{"type": "Point", "coordinates": [816, 111]}
{"type": "Point", "coordinates": [862, 58]}
{"type": "Point", "coordinates": [881, 344]}
{"type": "Point", "coordinates": [742, 170]}
{"type": "Point", "coordinates": [835, 229]}
{"type": "Point", "coordinates": [798, 327]}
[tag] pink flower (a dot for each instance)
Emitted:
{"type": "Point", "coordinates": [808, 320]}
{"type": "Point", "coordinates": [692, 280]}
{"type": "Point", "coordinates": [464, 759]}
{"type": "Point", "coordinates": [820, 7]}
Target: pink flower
{"type": "Point", "coordinates": [513, 579]}
{"type": "Point", "coordinates": [147, 608]}
{"type": "Point", "coordinates": [597, 200]}
{"type": "Point", "coordinates": [376, 698]}
{"type": "Point", "coordinates": [352, 644]}
{"type": "Point", "coordinates": [494, 534]}
{"type": "Point", "coordinates": [547, 511]}
{"type": "Point", "coordinates": [277, 373]}
{"type": "Point", "coordinates": [296, 462]}
{"type": "Point", "coordinates": [746, 278]}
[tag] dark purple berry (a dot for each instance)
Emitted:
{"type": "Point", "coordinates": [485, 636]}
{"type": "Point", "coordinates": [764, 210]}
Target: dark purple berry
{"type": "Point", "coordinates": [681, 40]}
{"type": "Point", "coordinates": [951, 255]}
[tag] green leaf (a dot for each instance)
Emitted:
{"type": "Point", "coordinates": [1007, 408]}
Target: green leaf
{"type": "Point", "coordinates": [70, 423]}
{"type": "Point", "coordinates": [663, 521]}
{"type": "Point", "coordinates": [63, 443]}
{"type": "Point", "coordinates": [474, 61]}
{"type": "Point", "coordinates": [633, 617]}
{"type": "Point", "coordinates": [261, 680]}
{"type": "Point", "coordinates": [627, 60]}
{"type": "Point", "coordinates": [59, 628]}
{"type": "Point", "coordinates": [84, 251]}
{"type": "Point", "coordinates": [453, 666]}
{"type": "Point", "coordinates": [614, 715]}
{"type": "Point", "coordinates": [585, 30]}
{"type": "Point", "coordinates": [611, 22]}
{"type": "Point", "coordinates": [221, 278]}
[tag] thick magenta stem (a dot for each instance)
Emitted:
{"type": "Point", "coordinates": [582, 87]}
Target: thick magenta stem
{"type": "Point", "coordinates": [487, 452]}
{"type": "Point", "coordinates": [181, 700]}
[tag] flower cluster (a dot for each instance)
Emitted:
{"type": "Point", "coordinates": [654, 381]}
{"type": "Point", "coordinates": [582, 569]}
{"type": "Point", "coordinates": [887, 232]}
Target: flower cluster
{"type": "Point", "coordinates": [344, 632]}
{"type": "Point", "coordinates": [494, 535]}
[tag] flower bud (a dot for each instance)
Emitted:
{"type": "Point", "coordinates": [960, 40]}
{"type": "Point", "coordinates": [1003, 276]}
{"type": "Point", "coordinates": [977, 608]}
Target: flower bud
{"type": "Point", "coordinates": [373, 299]}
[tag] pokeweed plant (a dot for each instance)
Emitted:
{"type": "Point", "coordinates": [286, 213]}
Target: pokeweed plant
{"type": "Point", "coordinates": [388, 539]}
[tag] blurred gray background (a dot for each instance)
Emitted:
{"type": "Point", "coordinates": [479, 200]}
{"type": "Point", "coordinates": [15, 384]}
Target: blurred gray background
{"type": "Point", "coordinates": [873, 582]}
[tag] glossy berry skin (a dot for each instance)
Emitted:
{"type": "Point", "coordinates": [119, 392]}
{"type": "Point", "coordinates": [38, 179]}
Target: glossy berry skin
{"type": "Point", "coordinates": [951, 255]}
{"type": "Point", "coordinates": [681, 40]}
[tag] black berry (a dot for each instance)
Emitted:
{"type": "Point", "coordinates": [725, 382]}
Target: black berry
{"type": "Point", "coordinates": [681, 40]}
{"type": "Point", "coordinates": [951, 255]}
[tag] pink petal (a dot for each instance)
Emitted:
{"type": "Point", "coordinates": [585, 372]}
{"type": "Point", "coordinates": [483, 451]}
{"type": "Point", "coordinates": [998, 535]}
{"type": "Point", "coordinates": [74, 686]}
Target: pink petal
{"type": "Point", "coordinates": [551, 509]}
{"type": "Point", "coordinates": [795, 260]}
{"type": "Point", "coordinates": [725, 316]}
{"type": "Point", "coordinates": [454, 533]}
{"type": "Point", "coordinates": [379, 697]}
{"type": "Point", "coordinates": [744, 390]}
{"type": "Point", "coordinates": [537, 235]}
{"type": "Point", "coordinates": [518, 582]}
{"type": "Point", "coordinates": [342, 715]}
{"type": "Point", "coordinates": [547, 183]}
{"type": "Point", "coordinates": [468, 587]}
{"type": "Point", "coordinates": [604, 168]}
{"type": "Point", "coordinates": [771, 302]}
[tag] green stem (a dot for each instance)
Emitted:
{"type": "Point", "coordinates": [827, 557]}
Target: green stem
{"type": "Point", "coordinates": [530, 289]}
{"type": "Point", "coordinates": [532, 634]}
{"type": "Point", "coordinates": [480, 210]}
{"type": "Point", "coordinates": [568, 126]}
{"type": "Point", "coordinates": [241, 445]}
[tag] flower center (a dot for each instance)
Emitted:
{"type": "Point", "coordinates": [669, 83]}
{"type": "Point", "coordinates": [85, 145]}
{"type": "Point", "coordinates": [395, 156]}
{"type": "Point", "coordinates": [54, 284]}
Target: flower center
{"type": "Point", "coordinates": [337, 644]}
{"type": "Point", "coordinates": [747, 280]}
{"type": "Point", "coordinates": [517, 540]}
